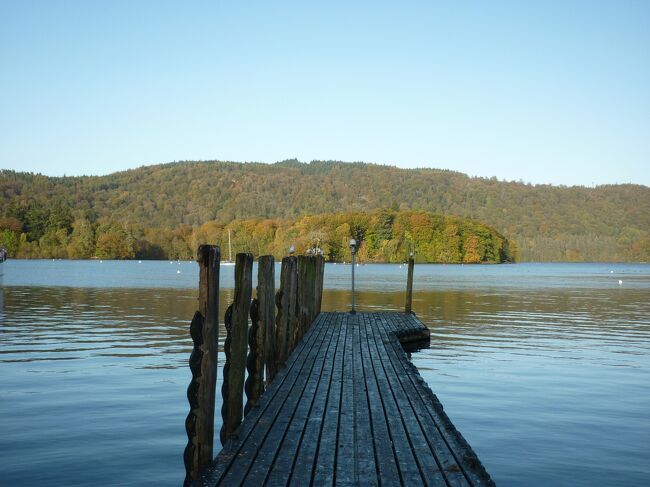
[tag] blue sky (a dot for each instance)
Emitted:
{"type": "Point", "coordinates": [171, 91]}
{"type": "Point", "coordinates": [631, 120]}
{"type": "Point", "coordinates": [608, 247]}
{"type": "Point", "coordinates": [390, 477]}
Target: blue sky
{"type": "Point", "coordinates": [546, 92]}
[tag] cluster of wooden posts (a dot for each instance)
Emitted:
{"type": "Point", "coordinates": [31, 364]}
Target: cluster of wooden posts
{"type": "Point", "coordinates": [259, 340]}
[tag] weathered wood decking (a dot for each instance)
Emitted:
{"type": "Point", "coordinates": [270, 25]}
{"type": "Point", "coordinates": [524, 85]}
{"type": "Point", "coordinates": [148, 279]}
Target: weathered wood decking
{"type": "Point", "coordinates": [349, 408]}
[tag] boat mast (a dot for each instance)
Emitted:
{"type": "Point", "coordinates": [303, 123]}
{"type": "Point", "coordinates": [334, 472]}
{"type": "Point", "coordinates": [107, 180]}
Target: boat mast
{"type": "Point", "coordinates": [229, 248]}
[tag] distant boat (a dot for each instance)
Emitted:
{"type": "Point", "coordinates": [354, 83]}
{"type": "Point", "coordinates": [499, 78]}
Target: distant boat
{"type": "Point", "coordinates": [229, 261]}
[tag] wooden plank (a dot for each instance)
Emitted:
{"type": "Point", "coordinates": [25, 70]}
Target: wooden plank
{"type": "Point", "coordinates": [456, 457]}
{"type": "Point", "coordinates": [385, 456]}
{"type": "Point", "coordinates": [267, 407]}
{"type": "Point", "coordinates": [417, 437]}
{"type": "Point", "coordinates": [324, 471]}
{"type": "Point", "coordinates": [305, 462]}
{"type": "Point", "coordinates": [274, 461]}
{"type": "Point", "coordinates": [409, 468]}
{"type": "Point", "coordinates": [349, 408]}
{"type": "Point", "coordinates": [272, 425]}
{"type": "Point", "coordinates": [200, 420]}
{"type": "Point", "coordinates": [347, 461]}
{"type": "Point", "coordinates": [445, 458]}
{"type": "Point", "coordinates": [235, 347]}
{"type": "Point", "coordinates": [366, 468]}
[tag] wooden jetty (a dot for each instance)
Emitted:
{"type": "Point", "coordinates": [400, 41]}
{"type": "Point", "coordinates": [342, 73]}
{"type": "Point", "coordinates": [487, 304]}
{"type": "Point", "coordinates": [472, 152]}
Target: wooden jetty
{"type": "Point", "coordinates": [347, 407]}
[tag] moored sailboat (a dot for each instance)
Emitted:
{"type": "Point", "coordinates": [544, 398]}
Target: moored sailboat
{"type": "Point", "coordinates": [229, 261]}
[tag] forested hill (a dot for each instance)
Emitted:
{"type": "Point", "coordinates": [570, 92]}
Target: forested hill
{"type": "Point", "coordinates": [548, 223]}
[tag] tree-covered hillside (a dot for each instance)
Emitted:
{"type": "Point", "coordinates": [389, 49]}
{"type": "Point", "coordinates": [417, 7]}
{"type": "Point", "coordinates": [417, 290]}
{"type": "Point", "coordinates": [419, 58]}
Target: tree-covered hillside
{"type": "Point", "coordinates": [385, 236]}
{"type": "Point", "coordinates": [548, 223]}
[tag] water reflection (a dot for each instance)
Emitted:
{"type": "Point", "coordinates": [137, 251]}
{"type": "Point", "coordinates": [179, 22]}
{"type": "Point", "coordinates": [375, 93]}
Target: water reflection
{"type": "Point", "coordinates": [557, 371]}
{"type": "Point", "coordinates": [67, 323]}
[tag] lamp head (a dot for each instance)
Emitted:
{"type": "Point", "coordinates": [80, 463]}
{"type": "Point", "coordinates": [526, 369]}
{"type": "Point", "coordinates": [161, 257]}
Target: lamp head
{"type": "Point", "coordinates": [292, 249]}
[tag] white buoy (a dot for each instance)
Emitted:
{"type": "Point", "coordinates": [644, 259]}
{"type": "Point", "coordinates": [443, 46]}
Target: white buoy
{"type": "Point", "coordinates": [139, 262]}
{"type": "Point", "coordinates": [611, 272]}
{"type": "Point", "coordinates": [101, 261]}
{"type": "Point", "coordinates": [620, 282]}
{"type": "Point", "coordinates": [178, 271]}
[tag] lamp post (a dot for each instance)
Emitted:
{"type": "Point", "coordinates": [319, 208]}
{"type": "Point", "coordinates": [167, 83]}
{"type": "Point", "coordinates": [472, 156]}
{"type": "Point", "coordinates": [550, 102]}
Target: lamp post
{"type": "Point", "coordinates": [353, 251]}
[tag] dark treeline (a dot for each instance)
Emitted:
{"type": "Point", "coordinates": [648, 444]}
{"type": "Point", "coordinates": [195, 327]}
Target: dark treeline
{"type": "Point", "coordinates": [165, 202]}
{"type": "Point", "coordinates": [385, 236]}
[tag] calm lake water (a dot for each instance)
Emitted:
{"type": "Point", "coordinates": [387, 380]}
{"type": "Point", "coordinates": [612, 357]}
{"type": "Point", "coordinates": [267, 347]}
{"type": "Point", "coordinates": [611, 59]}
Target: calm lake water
{"type": "Point", "coordinates": [544, 368]}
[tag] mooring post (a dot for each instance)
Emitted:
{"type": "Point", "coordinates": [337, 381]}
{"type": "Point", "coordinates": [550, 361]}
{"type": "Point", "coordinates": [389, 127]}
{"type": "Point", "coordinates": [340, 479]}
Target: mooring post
{"type": "Point", "coordinates": [286, 303]}
{"type": "Point", "coordinates": [409, 286]}
{"type": "Point", "coordinates": [235, 347]}
{"type": "Point", "coordinates": [254, 364]}
{"type": "Point", "coordinates": [266, 297]}
{"type": "Point", "coordinates": [262, 324]}
{"type": "Point", "coordinates": [318, 292]}
{"type": "Point", "coordinates": [204, 331]}
{"type": "Point", "coordinates": [306, 293]}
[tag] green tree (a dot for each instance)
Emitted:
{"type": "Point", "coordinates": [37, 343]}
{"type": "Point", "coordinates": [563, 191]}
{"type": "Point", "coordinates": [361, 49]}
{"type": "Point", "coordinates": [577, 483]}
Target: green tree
{"type": "Point", "coordinates": [114, 242]}
{"type": "Point", "coordinates": [82, 240]}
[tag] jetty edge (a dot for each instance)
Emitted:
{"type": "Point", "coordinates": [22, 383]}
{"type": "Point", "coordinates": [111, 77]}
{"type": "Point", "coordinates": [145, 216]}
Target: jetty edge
{"type": "Point", "coordinates": [345, 406]}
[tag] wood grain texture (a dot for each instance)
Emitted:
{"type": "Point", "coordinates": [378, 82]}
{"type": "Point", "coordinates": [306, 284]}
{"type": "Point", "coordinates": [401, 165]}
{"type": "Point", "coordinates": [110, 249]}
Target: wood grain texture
{"type": "Point", "coordinates": [254, 385]}
{"type": "Point", "coordinates": [236, 347]}
{"type": "Point", "coordinates": [349, 408]}
{"type": "Point", "coordinates": [204, 331]}
{"type": "Point", "coordinates": [266, 298]}
{"type": "Point", "coordinates": [286, 301]}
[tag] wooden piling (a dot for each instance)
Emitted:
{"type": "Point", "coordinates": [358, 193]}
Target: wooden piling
{"type": "Point", "coordinates": [286, 301]}
{"type": "Point", "coordinates": [409, 287]}
{"type": "Point", "coordinates": [235, 346]}
{"type": "Point", "coordinates": [204, 330]}
{"type": "Point", "coordinates": [318, 291]}
{"type": "Point", "coordinates": [254, 385]}
{"type": "Point", "coordinates": [266, 297]}
{"type": "Point", "coordinates": [307, 269]}
{"type": "Point", "coordinates": [261, 333]}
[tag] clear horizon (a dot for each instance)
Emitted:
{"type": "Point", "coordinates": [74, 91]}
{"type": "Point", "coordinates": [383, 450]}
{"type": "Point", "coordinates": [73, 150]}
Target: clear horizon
{"type": "Point", "coordinates": [544, 94]}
